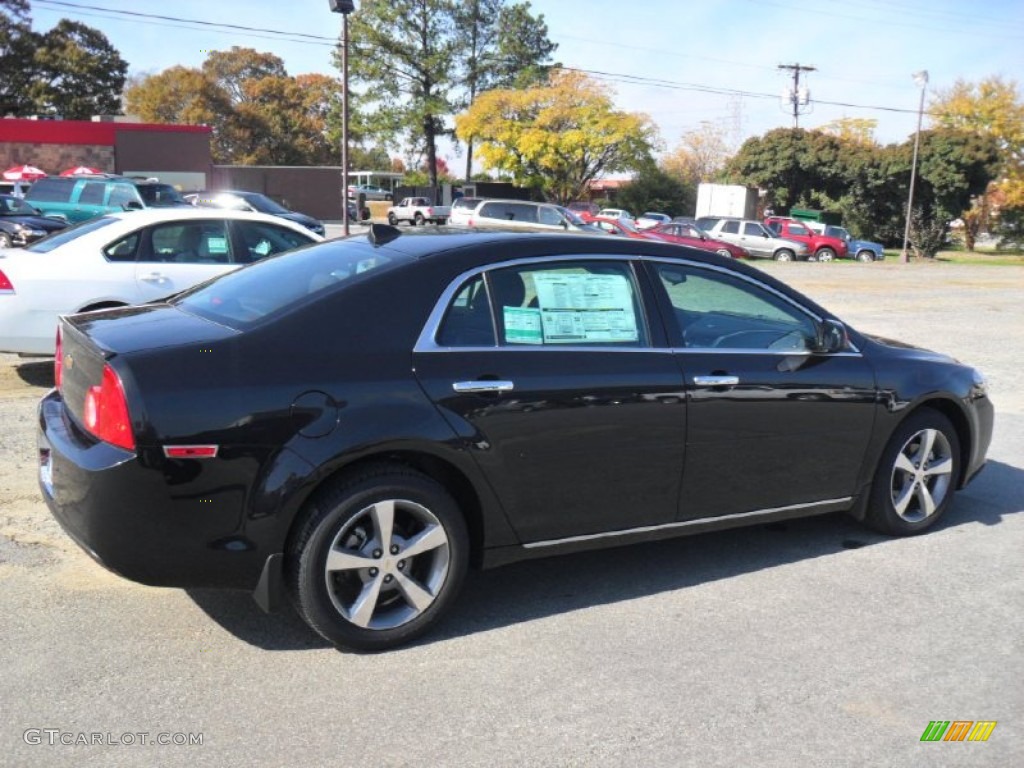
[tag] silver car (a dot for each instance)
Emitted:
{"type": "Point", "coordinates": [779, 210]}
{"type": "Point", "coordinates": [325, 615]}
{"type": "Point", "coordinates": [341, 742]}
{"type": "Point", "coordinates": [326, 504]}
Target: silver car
{"type": "Point", "coordinates": [758, 240]}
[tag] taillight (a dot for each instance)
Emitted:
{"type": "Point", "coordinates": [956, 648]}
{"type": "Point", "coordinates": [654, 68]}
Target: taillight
{"type": "Point", "coordinates": [58, 361]}
{"type": "Point", "coordinates": [5, 283]}
{"type": "Point", "coordinates": [106, 411]}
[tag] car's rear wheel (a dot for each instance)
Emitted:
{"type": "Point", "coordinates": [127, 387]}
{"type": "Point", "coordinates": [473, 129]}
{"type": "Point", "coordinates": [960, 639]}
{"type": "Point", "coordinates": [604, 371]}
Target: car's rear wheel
{"type": "Point", "coordinates": [379, 558]}
{"type": "Point", "coordinates": [865, 255]}
{"type": "Point", "coordinates": [826, 254]}
{"type": "Point", "coordinates": [5, 240]}
{"type": "Point", "coordinates": [784, 254]}
{"type": "Point", "coordinates": [418, 219]}
{"type": "Point", "coordinates": [392, 220]}
{"type": "Point", "coordinates": [724, 252]}
{"type": "Point", "coordinates": [916, 476]}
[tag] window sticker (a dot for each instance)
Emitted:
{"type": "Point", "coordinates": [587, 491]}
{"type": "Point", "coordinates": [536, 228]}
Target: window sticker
{"type": "Point", "coordinates": [522, 325]}
{"type": "Point", "coordinates": [217, 245]}
{"type": "Point", "coordinates": [585, 308]}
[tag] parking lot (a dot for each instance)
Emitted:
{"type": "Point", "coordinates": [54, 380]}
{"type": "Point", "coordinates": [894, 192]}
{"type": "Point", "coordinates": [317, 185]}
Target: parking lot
{"type": "Point", "coordinates": [814, 642]}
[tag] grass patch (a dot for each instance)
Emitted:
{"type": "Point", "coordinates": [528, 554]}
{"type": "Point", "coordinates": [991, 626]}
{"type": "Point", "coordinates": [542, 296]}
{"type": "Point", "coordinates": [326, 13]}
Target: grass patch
{"type": "Point", "coordinates": [992, 258]}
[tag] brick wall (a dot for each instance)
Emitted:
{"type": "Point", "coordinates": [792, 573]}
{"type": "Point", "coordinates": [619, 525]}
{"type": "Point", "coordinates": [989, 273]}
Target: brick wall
{"type": "Point", "coordinates": [54, 158]}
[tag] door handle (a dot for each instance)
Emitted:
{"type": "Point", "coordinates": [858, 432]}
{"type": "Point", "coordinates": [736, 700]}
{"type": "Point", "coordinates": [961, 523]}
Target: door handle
{"type": "Point", "coordinates": [716, 381]}
{"type": "Point", "coordinates": [483, 385]}
{"type": "Point", "coordinates": [153, 277]}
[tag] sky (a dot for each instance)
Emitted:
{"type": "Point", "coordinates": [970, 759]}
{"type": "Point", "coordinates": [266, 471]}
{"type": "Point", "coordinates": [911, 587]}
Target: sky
{"type": "Point", "coordinates": [716, 61]}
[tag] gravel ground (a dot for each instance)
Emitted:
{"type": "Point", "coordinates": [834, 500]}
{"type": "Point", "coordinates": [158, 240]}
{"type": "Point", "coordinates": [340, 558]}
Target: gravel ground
{"type": "Point", "coordinates": [810, 643]}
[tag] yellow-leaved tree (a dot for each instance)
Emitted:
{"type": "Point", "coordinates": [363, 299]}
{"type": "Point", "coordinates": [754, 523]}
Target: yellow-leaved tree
{"type": "Point", "coordinates": [557, 136]}
{"type": "Point", "coordinates": [992, 107]}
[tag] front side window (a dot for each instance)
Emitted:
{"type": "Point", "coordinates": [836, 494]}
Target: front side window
{"type": "Point", "coordinates": [753, 229]}
{"type": "Point", "coordinates": [550, 217]}
{"type": "Point", "coordinates": [715, 310]}
{"type": "Point", "coordinates": [260, 239]}
{"type": "Point", "coordinates": [731, 228]}
{"type": "Point", "coordinates": [123, 194]}
{"type": "Point", "coordinates": [92, 193]}
{"type": "Point", "coordinates": [567, 303]}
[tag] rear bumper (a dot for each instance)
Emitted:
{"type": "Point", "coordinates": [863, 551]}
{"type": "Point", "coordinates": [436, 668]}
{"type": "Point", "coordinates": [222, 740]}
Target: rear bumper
{"type": "Point", "coordinates": [149, 523]}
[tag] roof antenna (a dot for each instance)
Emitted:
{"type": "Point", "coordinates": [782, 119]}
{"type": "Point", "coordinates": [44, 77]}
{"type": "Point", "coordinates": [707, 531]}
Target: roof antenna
{"type": "Point", "coordinates": [382, 234]}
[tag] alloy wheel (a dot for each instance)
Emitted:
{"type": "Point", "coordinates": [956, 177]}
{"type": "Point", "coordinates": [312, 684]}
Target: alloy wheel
{"type": "Point", "coordinates": [922, 475]}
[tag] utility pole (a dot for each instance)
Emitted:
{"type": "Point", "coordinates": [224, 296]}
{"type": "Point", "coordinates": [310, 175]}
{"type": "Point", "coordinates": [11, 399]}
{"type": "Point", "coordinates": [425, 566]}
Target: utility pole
{"type": "Point", "coordinates": [795, 97]}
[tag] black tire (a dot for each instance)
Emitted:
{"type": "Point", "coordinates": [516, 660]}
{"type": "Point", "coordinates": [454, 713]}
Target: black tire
{"type": "Point", "coordinates": [418, 219]}
{"type": "Point", "coordinates": [392, 220]}
{"type": "Point", "coordinates": [404, 598]}
{"type": "Point", "coordinates": [784, 254]}
{"type": "Point", "coordinates": [911, 490]}
{"type": "Point", "coordinates": [826, 254]}
{"type": "Point", "coordinates": [5, 240]}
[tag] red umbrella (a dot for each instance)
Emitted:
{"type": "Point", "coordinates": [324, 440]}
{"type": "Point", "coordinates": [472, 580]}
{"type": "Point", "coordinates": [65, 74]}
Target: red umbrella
{"type": "Point", "coordinates": [80, 170]}
{"type": "Point", "coordinates": [23, 173]}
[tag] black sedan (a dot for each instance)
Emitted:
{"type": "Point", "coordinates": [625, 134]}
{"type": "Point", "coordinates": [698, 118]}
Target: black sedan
{"type": "Point", "coordinates": [355, 423]}
{"type": "Point", "coordinates": [237, 200]}
{"type": "Point", "coordinates": [21, 224]}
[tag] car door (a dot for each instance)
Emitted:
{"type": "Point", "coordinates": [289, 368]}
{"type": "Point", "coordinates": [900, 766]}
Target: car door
{"type": "Point", "coordinates": [772, 425]}
{"type": "Point", "coordinates": [176, 255]}
{"type": "Point", "coordinates": [551, 376]}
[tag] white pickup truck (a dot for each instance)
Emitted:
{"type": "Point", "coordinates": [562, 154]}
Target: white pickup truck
{"type": "Point", "coordinates": [418, 210]}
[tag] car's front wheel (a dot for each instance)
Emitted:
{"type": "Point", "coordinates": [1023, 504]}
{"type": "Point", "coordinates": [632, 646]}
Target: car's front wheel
{"type": "Point", "coordinates": [916, 476]}
{"type": "Point", "coordinates": [826, 254]}
{"type": "Point", "coordinates": [865, 256]}
{"type": "Point", "coordinates": [379, 558]}
{"type": "Point", "coordinates": [5, 240]}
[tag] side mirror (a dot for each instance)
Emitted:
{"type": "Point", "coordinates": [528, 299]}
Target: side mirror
{"type": "Point", "coordinates": [830, 336]}
{"type": "Point", "coordinates": [133, 205]}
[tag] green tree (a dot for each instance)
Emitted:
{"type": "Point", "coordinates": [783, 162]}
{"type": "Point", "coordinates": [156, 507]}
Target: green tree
{"type": "Point", "coordinates": [17, 44]}
{"type": "Point", "coordinates": [559, 136]}
{"type": "Point", "coordinates": [404, 58]}
{"type": "Point", "coordinates": [655, 189]}
{"type": "Point", "coordinates": [502, 46]}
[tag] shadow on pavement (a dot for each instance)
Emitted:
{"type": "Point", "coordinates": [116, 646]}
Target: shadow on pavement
{"type": "Point", "coordinates": [37, 373]}
{"type": "Point", "coordinates": [541, 588]}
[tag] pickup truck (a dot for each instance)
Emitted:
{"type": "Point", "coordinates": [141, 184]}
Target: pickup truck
{"type": "Point", "coordinates": [417, 211]}
{"type": "Point", "coordinates": [822, 247]}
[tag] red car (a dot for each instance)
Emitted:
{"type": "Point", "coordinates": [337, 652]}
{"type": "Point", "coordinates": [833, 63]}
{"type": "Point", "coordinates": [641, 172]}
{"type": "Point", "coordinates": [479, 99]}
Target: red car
{"type": "Point", "coordinates": [682, 233]}
{"type": "Point", "coordinates": [822, 247]}
{"type": "Point", "coordinates": [586, 211]}
{"type": "Point", "coordinates": [621, 227]}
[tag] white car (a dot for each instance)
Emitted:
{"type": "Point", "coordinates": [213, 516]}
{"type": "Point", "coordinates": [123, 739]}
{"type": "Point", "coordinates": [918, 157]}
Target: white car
{"type": "Point", "coordinates": [127, 258]}
{"type": "Point", "coordinates": [652, 219]}
{"type": "Point", "coordinates": [616, 213]}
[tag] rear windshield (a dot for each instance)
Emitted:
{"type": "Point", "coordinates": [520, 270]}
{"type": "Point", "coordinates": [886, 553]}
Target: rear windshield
{"type": "Point", "coordinates": [58, 239]}
{"type": "Point", "coordinates": [241, 298]}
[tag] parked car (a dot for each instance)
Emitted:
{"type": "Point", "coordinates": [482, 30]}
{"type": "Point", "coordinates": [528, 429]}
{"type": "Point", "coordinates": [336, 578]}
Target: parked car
{"type": "Point", "coordinates": [361, 473]}
{"type": "Point", "coordinates": [369, 192]}
{"type": "Point", "coordinates": [462, 209]}
{"type": "Point", "coordinates": [758, 241]}
{"type": "Point", "coordinates": [157, 194]}
{"type": "Point", "coordinates": [240, 200]}
{"type": "Point", "coordinates": [616, 213]}
{"type": "Point", "coordinates": [523, 214]}
{"type": "Point", "coordinates": [689, 234]}
{"type": "Point", "coordinates": [821, 247]}
{"type": "Point", "coordinates": [585, 210]}
{"type": "Point", "coordinates": [622, 227]}
{"type": "Point", "coordinates": [418, 211]}
{"type": "Point", "coordinates": [652, 219]}
{"type": "Point", "coordinates": [80, 198]}
{"type": "Point", "coordinates": [127, 258]}
{"type": "Point", "coordinates": [862, 250]}
{"type": "Point", "coordinates": [21, 224]}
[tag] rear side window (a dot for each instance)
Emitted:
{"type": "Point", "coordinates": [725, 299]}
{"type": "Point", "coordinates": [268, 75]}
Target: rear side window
{"type": "Point", "coordinates": [731, 227]}
{"type": "Point", "coordinates": [468, 323]}
{"type": "Point", "coordinates": [124, 249]}
{"type": "Point", "coordinates": [260, 240]}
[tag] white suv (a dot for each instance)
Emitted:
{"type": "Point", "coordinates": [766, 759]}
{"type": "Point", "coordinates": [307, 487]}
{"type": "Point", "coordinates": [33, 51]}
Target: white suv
{"type": "Point", "coordinates": [522, 214]}
{"type": "Point", "coordinates": [757, 239]}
